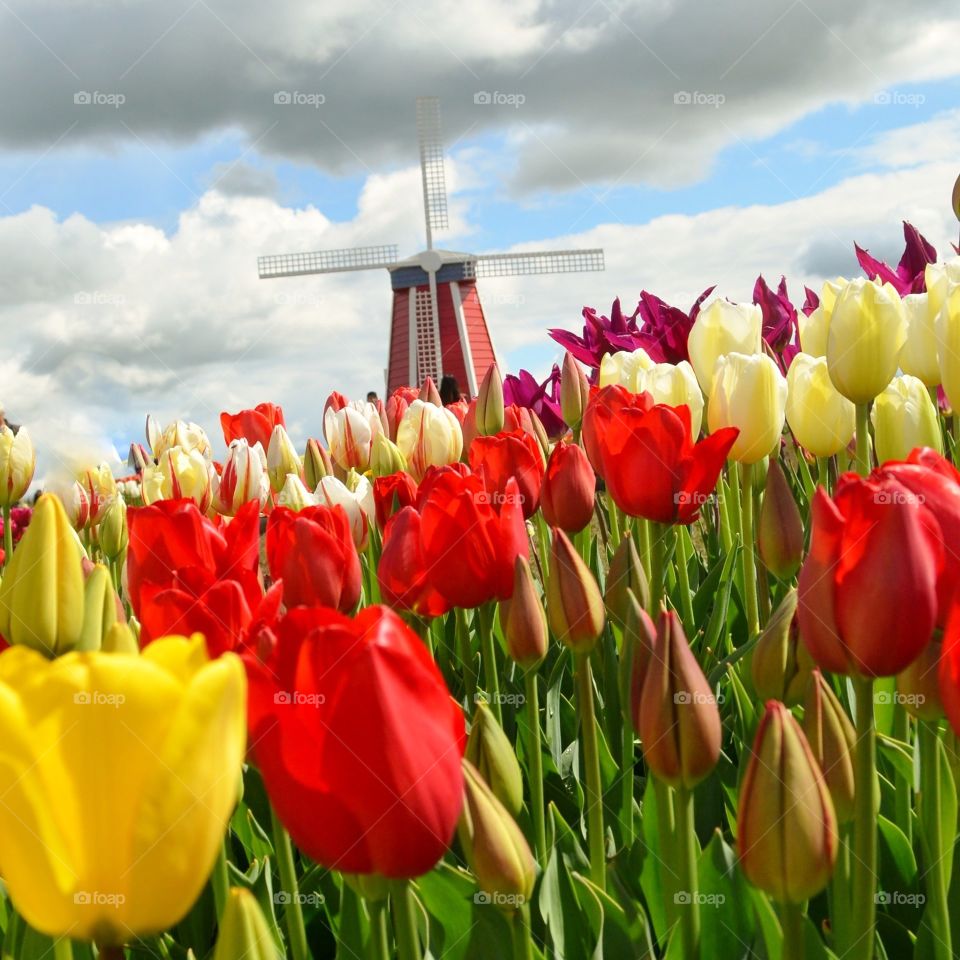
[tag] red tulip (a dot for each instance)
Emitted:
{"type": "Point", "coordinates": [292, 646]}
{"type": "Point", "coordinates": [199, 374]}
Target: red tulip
{"type": "Point", "coordinates": [254, 425]}
{"type": "Point", "coordinates": [471, 544]}
{"type": "Point", "coordinates": [402, 571]}
{"type": "Point", "coordinates": [391, 494]}
{"type": "Point", "coordinates": [569, 486]}
{"type": "Point", "coordinates": [652, 467]}
{"type": "Point", "coordinates": [312, 552]}
{"type": "Point", "coordinates": [358, 741]}
{"type": "Point", "coordinates": [503, 456]}
{"type": "Point", "coordinates": [868, 587]}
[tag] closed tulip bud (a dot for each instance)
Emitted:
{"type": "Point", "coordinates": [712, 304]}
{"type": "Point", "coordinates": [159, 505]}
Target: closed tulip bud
{"type": "Point", "coordinates": [350, 431]}
{"type": "Point", "coordinates": [295, 495]}
{"type": "Point", "coordinates": [674, 384]}
{"type": "Point", "coordinates": [539, 432]}
{"type": "Point", "coordinates": [574, 604]}
{"type": "Point", "coordinates": [101, 488]}
{"type": "Point", "coordinates": [822, 419]}
{"type": "Point", "coordinates": [316, 464]}
{"type": "Point", "coordinates": [76, 504]}
{"type": "Point", "coordinates": [678, 720]}
{"type": "Point", "coordinates": [488, 413]}
{"type": "Point", "coordinates": [904, 417]}
{"type": "Point", "coordinates": [569, 487]}
{"type": "Point", "coordinates": [489, 750]}
{"type": "Point", "coordinates": [188, 436]}
{"type": "Point", "coordinates": [120, 638]}
{"type": "Point", "coordinates": [428, 435]}
{"type": "Point", "coordinates": [786, 824]}
{"type": "Point", "coordinates": [113, 533]}
{"type": "Point", "coordinates": [574, 391]}
{"type": "Point", "coordinates": [42, 593]}
{"type": "Point", "coordinates": [99, 608]}
{"type": "Point", "coordinates": [626, 575]}
{"type": "Point", "coordinates": [624, 368]}
{"type": "Point", "coordinates": [522, 619]}
{"type": "Point", "coordinates": [138, 458]}
{"type": "Point", "coordinates": [356, 498]}
{"type": "Point", "coordinates": [780, 664]}
{"type": "Point", "coordinates": [386, 458]}
{"type": "Point", "coordinates": [244, 478]}
{"type": "Point", "coordinates": [833, 741]}
{"type": "Point", "coordinates": [918, 685]}
{"type": "Point", "coordinates": [282, 458]}
{"type": "Point", "coordinates": [868, 327]}
{"type": "Point", "coordinates": [495, 847]}
{"type": "Point", "coordinates": [918, 355]}
{"type": "Point", "coordinates": [243, 931]}
{"type": "Point", "coordinates": [813, 329]}
{"type": "Point", "coordinates": [749, 393]}
{"type": "Point", "coordinates": [639, 642]}
{"type": "Point", "coordinates": [780, 526]}
{"type": "Point", "coordinates": [178, 473]}
{"type": "Point", "coordinates": [18, 461]}
{"type": "Point", "coordinates": [721, 328]}
{"type": "Point", "coordinates": [429, 393]}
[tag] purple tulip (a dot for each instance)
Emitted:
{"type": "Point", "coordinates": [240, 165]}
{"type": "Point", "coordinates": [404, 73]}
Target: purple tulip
{"type": "Point", "coordinates": [542, 398]}
{"type": "Point", "coordinates": [909, 276]}
{"type": "Point", "coordinates": [780, 331]}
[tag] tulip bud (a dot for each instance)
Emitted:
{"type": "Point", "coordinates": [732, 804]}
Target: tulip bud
{"type": "Point", "coordinates": [101, 488]}
{"type": "Point", "coordinates": [316, 464]}
{"type": "Point", "coordinates": [574, 603]}
{"type": "Point", "coordinates": [18, 461]}
{"type": "Point", "coordinates": [429, 435]}
{"type": "Point", "coordinates": [120, 638]}
{"type": "Point", "coordinates": [625, 368]}
{"type": "Point", "coordinates": [386, 458]}
{"type": "Point", "coordinates": [495, 847]}
{"type": "Point", "coordinates": [626, 575]}
{"type": "Point", "coordinates": [244, 478]}
{"type": "Point", "coordinates": [113, 532]}
{"type": "Point", "coordinates": [574, 392]}
{"type": "Point", "coordinates": [429, 393]}
{"type": "Point", "coordinates": [833, 742]}
{"type": "Point", "coordinates": [99, 608]}
{"type": "Point", "coordinates": [41, 596]}
{"type": "Point", "coordinates": [721, 328]}
{"type": "Point", "coordinates": [244, 931]}
{"type": "Point", "coordinates": [786, 824]}
{"type": "Point", "coordinates": [780, 664]}
{"type": "Point", "coordinates": [678, 720]}
{"type": "Point", "coordinates": [780, 526]}
{"type": "Point", "coordinates": [295, 495]}
{"type": "Point", "coordinates": [522, 619]}
{"type": "Point", "coordinates": [282, 458]}
{"type": "Point", "coordinates": [539, 432]}
{"type": "Point", "coordinates": [138, 458]}
{"type": "Point", "coordinates": [639, 642]}
{"type": "Point", "coordinates": [821, 418]}
{"type": "Point", "coordinates": [919, 686]}
{"type": "Point", "coordinates": [75, 501]}
{"type": "Point", "coordinates": [674, 384]}
{"type": "Point", "coordinates": [918, 355]}
{"type": "Point", "coordinates": [489, 750]}
{"type": "Point", "coordinates": [488, 413]}
{"type": "Point", "coordinates": [904, 417]}
{"type": "Point", "coordinates": [179, 472]}
{"type": "Point", "coordinates": [813, 329]}
{"type": "Point", "coordinates": [569, 487]}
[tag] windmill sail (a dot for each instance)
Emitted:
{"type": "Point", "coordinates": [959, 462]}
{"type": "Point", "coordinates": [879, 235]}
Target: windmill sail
{"type": "Point", "coordinates": [431, 166]}
{"type": "Point", "coordinates": [543, 261]}
{"type": "Point", "coordinates": [326, 261]}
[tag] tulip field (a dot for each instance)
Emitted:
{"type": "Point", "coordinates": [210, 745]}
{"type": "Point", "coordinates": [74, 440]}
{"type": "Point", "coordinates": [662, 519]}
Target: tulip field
{"type": "Point", "coordinates": [656, 658]}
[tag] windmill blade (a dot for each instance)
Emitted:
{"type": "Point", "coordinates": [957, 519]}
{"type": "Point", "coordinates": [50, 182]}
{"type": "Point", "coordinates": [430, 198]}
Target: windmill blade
{"type": "Point", "coordinates": [431, 166]}
{"type": "Point", "coordinates": [541, 261]}
{"type": "Point", "coordinates": [327, 261]}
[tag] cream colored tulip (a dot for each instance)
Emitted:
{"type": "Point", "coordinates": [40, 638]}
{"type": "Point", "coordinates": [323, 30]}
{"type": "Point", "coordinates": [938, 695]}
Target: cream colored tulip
{"type": "Point", "coordinates": [720, 328]}
{"type": "Point", "coordinates": [428, 435]}
{"type": "Point", "coordinates": [18, 460]}
{"type": "Point", "coordinates": [750, 393]}
{"type": "Point", "coordinates": [675, 384]}
{"type": "Point", "coordinates": [350, 432]}
{"type": "Point", "coordinates": [868, 328]}
{"type": "Point", "coordinates": [180, 433]}
{"type": "Point", "coordinates": [356, 498]}
{"type": "Point", "coordinates": [947, 326]}
{"type": "Point", "coordinates": [244, 478]}
{"type": "Point", "coordinates": [624, 368]}
{"type": "Point", "coordinates": [904, 417]}
{"type": "Point", "coordinates": [179, 472]}
{"type": "Point", "coordinates": [295, 495]}
{"type": "Point", "coordinates": [940, 278]}
{"type": "Point", "coordinates": [918, 355]}
{"type": "Point", "coordinates": [282, 458]}
{"type": "Point", "coordinates": [813, 329]}
{"type": "Point", "coordinates": [823, 421]}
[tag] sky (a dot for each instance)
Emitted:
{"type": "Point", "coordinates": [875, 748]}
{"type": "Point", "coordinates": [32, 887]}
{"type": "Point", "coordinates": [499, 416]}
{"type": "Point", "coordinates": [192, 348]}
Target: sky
{"type": "Point", "coordinates": [149, 152]}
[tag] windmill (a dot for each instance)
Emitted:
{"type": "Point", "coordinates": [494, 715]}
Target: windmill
{"type": "Point", "coordinates": [437, 324]}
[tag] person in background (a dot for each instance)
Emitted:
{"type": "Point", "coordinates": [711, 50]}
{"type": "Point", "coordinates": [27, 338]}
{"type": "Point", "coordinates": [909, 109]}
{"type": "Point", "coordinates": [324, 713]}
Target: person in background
{"type": "Point", "coordinates": [372, 396]}
{"type": "Point", "coordinates": [450, 390]}
{"type": "Point", "coordinates": [4, 422]}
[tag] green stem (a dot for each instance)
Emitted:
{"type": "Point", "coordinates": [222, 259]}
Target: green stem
{"type": "Point", "coordinates": [63, 950]}
{"type": "Point", "coordinates": [658, 549]}
{"type": "Point", "coordinates": [683, 579]}
{"type": "Point", "coordinates": [903, 783]}
{"type": "Point", "coordinates": [935, 877]}
{"type": "Point", "coordinates": [520, 934]}
{"type": "Point", "coordinates": [689, 908]}
{"type": "Point", "coordinates": [863, 904]}
{"type": "Point", "coordinates": [591, 763]}
{"type": "Point", "coordinates": [791, 922]}
{"type": "Point", "coordinates": [535, 765]}
{"type": "Point", "coordinates": [627, 745]}
{"type": "Point", "coordinates": [405, 921]}
{"type": "Point", "coordinates": [220, 880]}
{"type": "Point", "coordinates": [666, 826]}
{"type": "Point", "coordinates": [7, 536]}
{"type": "Point", "coordinates": [614, 518]}
{"type": "Point", "coordinates": [379, 941]}
{"type": "Point", "coordinates": [293, 911]}
{"type": "Point", "coordinates": [735, 528]}
{"type": "Point", "coordinates": [488, 653]}
{"type": "Point", "coordinates": [465, 653]}
{"type": "Point", "coordinates": [749, 551]}
{"type": "Point", "coordinates": [726, 531]}
{"type": "Point", "coordinates": [823, 472]}
{"type": "Point", "coordinates": [863, 439]}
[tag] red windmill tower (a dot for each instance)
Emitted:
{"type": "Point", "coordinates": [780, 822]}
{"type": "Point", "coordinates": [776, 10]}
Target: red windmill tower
{"type": "Point", "coordinates": [437, 324]}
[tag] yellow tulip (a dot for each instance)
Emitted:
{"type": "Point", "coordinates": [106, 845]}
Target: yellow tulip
{"type": "Point", "coordinates": [947, 324]}
{"type": "Point", "coordinates": [428, 435]}
{"type": "Point", "coordinates": [244, 932]}
{"type": "Point", "coordinates": [179, 472]}
{"type": "Point", "coordinates": [918, 355]}
{"type": "Point", "coordinates": [868, 327]}
{"type": "Point", "coordinates": [119, 776]}
{"type": "Point", "coordinates": [940, 278]}
{"type": "Point", "coordinates": [114, 533]}
{"type": "Point", "coordinates": [813, 329]}
{"type": "Point", "coordinates": [18, 460]}
{"type": "Point", "coordinates": [721, 328]}
{"type": "Point", "coordinates": [674, 384]}
{"type": "Point", "coordinates": [821, 418]}
{"type": "Point", "coordinates": [99, 608]}
{"type": "Point", "coordinates": [624, 368]}
{"type": "Point", "coordinates": [282, 458]}
{"type": "Point", "coordinates": [42, 593]}
{"type": "Point", "coordinates": [904, 417]}
{"type": "Point", "coordinates": [294, 495]}
{"type": "Point", "coordinates": [187, 436]}
{"type": "Point", "coordinates": [750, 393]}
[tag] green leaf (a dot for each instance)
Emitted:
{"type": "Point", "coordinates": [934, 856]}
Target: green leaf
{"type": "Point", "coordinates": [447, 895]}
{"type": "Point", "coordinates": [898, 865]}
{"type": "Point", "coordinates": [727, 926]}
